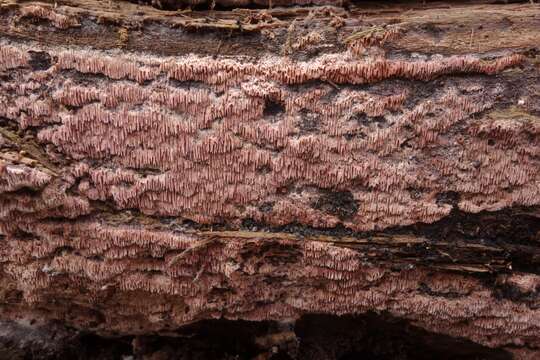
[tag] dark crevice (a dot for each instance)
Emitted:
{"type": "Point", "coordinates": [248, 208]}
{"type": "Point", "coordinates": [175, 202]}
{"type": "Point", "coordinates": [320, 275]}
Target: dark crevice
{"type": "Point", "coordinates": [502, 240]}
{"type": "Point", "coordinates": [273, 108]}
{"type": "Point", "coordinates": [173, 5]}
{"type": "Point", "coordinates": [516, 225]}
{"type": "Point", "coordinates": [425, 289]}
{"type": "Point", "coordinates": [373, 336]}
{"type": "Point", "coordinates": [367, 336]}
{"type": "Point", "coordinates": [447, 197]}
{"type": "Point", "coordinates": [509, 292]}
{"type": "Point", "coordinates": [229, 5]}
{"type": "Point", "coordinates": [339, 203]}
{"type": "Point", "coordinates": [39, 60]}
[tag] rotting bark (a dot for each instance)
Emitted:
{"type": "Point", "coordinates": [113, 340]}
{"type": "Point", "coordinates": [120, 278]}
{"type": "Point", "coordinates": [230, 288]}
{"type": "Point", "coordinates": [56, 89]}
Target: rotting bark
{"type": "Point", "coordinates": [160, 169]}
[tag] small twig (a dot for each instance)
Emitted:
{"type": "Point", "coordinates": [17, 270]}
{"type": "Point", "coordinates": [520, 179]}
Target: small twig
{"type": "Point", "coordinates": [199, 273]}
{"type": "Point", "coordinates": [333, 84]}
{"type": "Point", "coordinates": [447, 255]}
{"type": "Point", "coordinates": [363, 34]}
{"type": "Point", "coordinates": [218, 47]}
{"type": "Point", "coordinates": [197, 246]}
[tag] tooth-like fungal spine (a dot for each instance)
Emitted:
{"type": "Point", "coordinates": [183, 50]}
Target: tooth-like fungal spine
{"type": "Point", "coordinates": [153, 191]}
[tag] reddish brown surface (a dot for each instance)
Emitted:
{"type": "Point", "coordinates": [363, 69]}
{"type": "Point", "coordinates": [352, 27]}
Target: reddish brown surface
{"type": "Point", "coordinates": [141, 192]}
{"type": "Point", "coordinates": [242, 137]}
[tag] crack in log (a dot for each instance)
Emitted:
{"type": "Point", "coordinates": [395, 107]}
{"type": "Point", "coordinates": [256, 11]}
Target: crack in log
{"type": "Point", "coordinates": [312, 336]}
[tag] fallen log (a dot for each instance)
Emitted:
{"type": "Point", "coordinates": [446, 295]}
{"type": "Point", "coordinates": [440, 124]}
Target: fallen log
{"type": "Point", "coordinates": [162, 166]}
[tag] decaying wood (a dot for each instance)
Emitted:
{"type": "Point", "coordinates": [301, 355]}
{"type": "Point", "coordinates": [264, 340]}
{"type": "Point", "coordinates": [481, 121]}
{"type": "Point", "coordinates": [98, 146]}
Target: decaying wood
{"type": "Point", "coordinates": [161, 167]}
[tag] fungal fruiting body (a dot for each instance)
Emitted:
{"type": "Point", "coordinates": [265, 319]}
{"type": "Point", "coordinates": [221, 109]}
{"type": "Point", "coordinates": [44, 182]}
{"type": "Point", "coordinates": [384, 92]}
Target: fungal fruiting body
{"type": "Point", "coordinates": [141, 192]}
